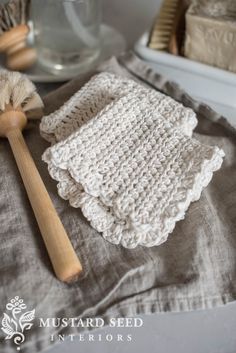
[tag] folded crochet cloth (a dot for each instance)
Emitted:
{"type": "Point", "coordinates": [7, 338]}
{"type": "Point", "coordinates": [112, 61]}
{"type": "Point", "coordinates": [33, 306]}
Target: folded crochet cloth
{"type": "Point", "coordinates": [131, 168]}
{"type": "Point", "coordinates": [101, 90]}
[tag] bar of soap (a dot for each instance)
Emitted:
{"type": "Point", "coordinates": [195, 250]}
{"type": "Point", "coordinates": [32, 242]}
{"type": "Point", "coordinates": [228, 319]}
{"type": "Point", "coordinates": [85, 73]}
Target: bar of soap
{"type": "Point", "coordinates": [211, 33]}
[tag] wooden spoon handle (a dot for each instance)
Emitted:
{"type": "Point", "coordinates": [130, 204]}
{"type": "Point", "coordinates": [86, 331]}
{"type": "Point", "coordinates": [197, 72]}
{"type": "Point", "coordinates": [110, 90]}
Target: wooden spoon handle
{"type": "Point", "coordinates": [63, 257]}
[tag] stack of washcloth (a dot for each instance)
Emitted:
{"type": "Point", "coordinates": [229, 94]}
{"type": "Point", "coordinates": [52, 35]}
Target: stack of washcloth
{"type": "Point", "coordinates": [124, 154]}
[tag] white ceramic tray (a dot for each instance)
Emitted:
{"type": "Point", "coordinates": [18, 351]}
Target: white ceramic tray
{"type": "Point", "coordinates": [211, 85]}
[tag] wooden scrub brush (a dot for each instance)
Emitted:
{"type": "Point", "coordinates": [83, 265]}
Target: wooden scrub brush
{"type": "Point", "coordinates": [167, 33]}
{"type": "Point", "coordinates": [18, 97]}
{"type": "Point", "coordinates": [13, 35]}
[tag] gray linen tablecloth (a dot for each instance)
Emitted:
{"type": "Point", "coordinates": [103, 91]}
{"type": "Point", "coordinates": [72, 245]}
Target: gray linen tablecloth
{"type": "Point", "coordinates": [194, 269]}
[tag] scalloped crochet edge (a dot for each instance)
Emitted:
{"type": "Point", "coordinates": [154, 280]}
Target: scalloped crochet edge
{"type": "Point", "coordinates": [52, 123]}
{"type": "Point", "coordinates": [126, 233]}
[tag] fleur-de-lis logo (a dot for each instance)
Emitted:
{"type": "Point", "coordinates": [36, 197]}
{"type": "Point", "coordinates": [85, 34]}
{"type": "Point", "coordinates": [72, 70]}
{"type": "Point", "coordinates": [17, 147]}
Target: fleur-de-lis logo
{"type": "Point", "coordinates": [14, 324]}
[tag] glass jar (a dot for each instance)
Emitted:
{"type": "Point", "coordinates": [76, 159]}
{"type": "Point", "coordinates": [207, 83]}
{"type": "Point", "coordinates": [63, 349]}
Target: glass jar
{"type": "Point", "coordinates": [66, 34]}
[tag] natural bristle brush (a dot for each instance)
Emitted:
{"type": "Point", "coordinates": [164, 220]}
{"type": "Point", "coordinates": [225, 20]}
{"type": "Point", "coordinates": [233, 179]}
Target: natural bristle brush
{"type": "Point", "coordinates": [167, 33]}
{"type": "Point", "coordinates": [18, 97]}
{"type": "Point", "coordinates": [13, 34]}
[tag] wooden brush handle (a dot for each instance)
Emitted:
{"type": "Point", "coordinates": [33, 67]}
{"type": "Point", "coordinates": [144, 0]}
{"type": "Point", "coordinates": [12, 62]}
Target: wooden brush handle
{"type": "Point", "coordinates": [178, 28]}
{"type": "Point", "coordinates": [63, 257]}
{"type": "Point", "coordinates": [13, 43]}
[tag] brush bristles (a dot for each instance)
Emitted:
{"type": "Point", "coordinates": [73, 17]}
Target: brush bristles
{"type": "Point", "coordinates": [18, 91]}
{"type": "Point", "coordinates": [13, 13]}
{"type": "Point", "coordinates": [163, 26]}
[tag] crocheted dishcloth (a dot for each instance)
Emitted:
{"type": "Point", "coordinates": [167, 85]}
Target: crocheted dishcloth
{"type": "Point", "coordinates": [132, 172]}
{"type": "Point", "coordinates": [101, 90]}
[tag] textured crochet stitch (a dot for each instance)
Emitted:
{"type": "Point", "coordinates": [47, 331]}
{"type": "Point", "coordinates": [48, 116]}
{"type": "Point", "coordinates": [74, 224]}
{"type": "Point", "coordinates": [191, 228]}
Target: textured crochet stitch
{"type": "Point", "coordinates": [101, 90]}
{"type": "Point", "coordinates": [128, 162]}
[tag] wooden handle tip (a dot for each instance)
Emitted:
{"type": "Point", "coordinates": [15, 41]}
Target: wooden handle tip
{"type": "Point", "coordinates": [69, 274]}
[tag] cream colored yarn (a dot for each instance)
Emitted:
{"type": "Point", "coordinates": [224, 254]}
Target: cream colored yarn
{"type": "Point", "coordinates": [129, 166]}
{"type": "Point", "coordinates": [101, 90]}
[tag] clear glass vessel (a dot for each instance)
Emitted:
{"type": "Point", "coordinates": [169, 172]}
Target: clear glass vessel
{"type": "Point", "coordinates": [66, 34]}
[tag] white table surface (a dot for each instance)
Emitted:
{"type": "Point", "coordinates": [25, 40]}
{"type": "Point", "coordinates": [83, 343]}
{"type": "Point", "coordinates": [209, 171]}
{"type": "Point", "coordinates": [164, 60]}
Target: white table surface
{"type": "Point", "coordinates": [203, 331]}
